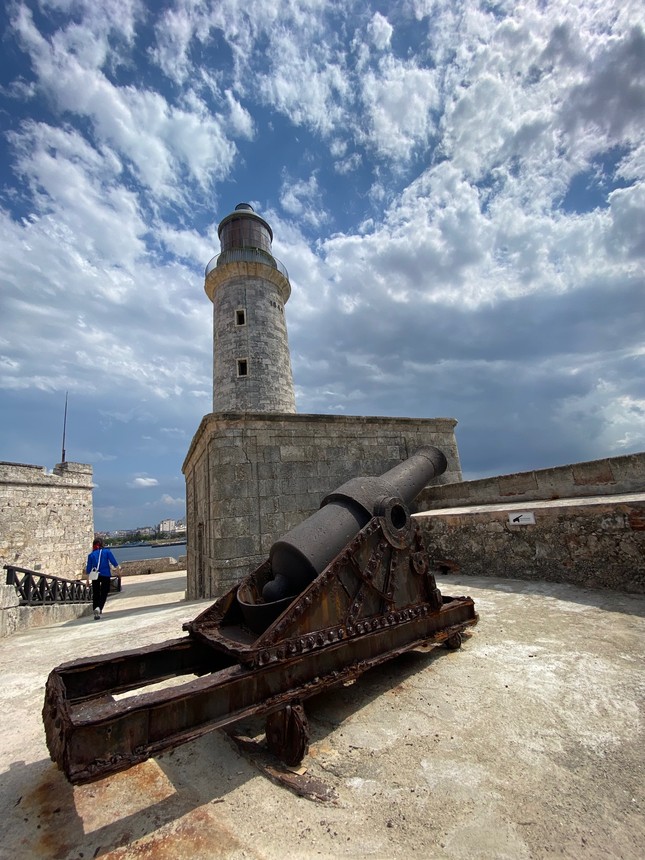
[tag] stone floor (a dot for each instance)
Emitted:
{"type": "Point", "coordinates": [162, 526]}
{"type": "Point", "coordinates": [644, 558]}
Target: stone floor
{"type": "Point", "coordinates": [529, 742]}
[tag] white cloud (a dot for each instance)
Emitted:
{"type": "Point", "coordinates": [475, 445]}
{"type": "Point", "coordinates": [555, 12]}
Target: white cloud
{"type": "Point", "coordinates": [302, 199]}
{"type": "Point", "coordinates": [174, 33]}
{"type": "Point", "coordinates": [144, 482]}
{"type": "Point", "coordinates": [611, 98]}
{"type": "Point", "coordinates": [399, 99]}
{"type": "Point", "coordinates": [308, 89]}
{"type": "Point", "coordinates": [349, 165]}
{"type": "Point", "coordinates": [380, 31]}
{"type": "Point", "coordinates": [621, 416]}
{"type": "Point", "coordinates": [187, 244]}
{"type": "Point", "coordinates": [78, 192]}
{"type": "Point", "coordinates": [625, 236]}
{"type": "Point", "coordinates": [240, 120]}
{"type": "Point", "coordinates": [632, 165]}
{"type": "Point", "coordinates": [158, 139]}
{"type": "Point", "coordinates": [167, 499]}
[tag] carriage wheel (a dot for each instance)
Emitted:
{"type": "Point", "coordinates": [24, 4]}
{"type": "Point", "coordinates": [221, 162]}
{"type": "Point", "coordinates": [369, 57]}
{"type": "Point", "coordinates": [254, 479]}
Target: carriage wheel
{"type": "Point", "coordinates": [287, 732]}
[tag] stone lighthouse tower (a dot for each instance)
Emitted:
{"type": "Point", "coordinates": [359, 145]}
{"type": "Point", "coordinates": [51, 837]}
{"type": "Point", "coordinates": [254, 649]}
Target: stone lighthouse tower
{"type": "Point", "coordinates": [249, 289]}
{"type": "Point", "coordinates": [255, 467]}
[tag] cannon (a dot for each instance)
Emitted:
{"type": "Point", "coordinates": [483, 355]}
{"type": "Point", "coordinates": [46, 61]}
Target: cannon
{"type": "Point", "coordinates": [347, 589]}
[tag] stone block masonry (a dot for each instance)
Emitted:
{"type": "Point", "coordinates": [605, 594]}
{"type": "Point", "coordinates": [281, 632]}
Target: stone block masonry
{"type": "Point", "coordinates": [261, 342]}
{"type": "Point", "coordinates": [46, 519]}
{"type": "Point", "coordinates": [610, 476]}
{"type": "Point", "coordinates": [589, 527]}
{"type": "Point", "coordinates": [16, 619]}
{"type": "Point", "coordinates": [251, 477]}
{"type": "Point", "coordinates": [593, 542]}
{"type": "Point", "coordinates": [148, 566]}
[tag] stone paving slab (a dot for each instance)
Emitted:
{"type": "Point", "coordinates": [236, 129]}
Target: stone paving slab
{"type": "Point", "coordinates": [529, 742]}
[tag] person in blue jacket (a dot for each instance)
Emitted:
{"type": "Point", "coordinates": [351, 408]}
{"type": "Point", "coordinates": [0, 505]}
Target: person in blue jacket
{"type": "Point", "coordinates": [100, 558]}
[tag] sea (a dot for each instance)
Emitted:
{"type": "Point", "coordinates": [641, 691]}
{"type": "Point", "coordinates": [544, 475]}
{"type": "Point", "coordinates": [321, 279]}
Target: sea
{"type": "Point", "coordinates": [136, 553]}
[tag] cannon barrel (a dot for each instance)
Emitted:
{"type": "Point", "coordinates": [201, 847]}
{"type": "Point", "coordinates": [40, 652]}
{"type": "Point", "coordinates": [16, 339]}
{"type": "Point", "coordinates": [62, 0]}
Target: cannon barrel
{"type": "Point", "coordinates": [306, 550]}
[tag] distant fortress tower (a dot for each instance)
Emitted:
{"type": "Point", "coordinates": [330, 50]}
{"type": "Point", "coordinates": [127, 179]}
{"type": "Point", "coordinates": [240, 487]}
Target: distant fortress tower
{"type": "Point", "coordinates": [249, 289]}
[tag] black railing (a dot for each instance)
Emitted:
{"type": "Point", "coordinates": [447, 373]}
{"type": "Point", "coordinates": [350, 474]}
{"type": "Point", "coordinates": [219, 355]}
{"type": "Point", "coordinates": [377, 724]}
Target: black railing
{"type": "Point", "coordinates": [246, 255]}
{"type": "Point", "coordinates": [38, 589]}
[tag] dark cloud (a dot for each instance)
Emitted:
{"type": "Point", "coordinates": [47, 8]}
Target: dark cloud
{"type": "Point", "coordinates": [612, 97]}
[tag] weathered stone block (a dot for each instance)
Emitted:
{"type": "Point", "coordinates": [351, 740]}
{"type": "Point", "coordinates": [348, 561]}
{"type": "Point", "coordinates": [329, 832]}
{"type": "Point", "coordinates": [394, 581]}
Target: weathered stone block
{"type": "Point", "coordinates": [594, 472]}
{"type": "Point", "coordinates": [9, 621]}
{"type": "Point", "coordinates": [521, 484]}
{"type": "Point", "coordinates": [293, 453]}
{"type": "Point", "coordinates": [240, 506]}
{"type": "Point", "coordinates": [273, 525]}
{"type": "Point", "coordinates": [8, 597]}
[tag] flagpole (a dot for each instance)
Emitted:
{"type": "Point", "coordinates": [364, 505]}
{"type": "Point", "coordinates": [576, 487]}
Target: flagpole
{"type": "Point", "coordinates": [64, 428]}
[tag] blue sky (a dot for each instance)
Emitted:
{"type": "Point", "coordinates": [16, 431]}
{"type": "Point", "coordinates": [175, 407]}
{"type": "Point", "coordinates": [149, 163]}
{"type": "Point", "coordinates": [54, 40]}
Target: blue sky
{"type": "Point", "coordinates": [456, 188]}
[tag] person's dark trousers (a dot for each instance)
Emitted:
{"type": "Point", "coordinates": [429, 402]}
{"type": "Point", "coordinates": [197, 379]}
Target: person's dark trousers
{"type": "Point", "coordinates": [100, 588]}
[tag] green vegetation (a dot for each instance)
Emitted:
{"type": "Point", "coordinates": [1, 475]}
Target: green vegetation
{"type": "Point", "coordinates": [131, 537]}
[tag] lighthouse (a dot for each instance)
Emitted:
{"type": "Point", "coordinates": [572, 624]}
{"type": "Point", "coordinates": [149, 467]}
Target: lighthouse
{"type": "Point", "coordinates": [249, 288]}
{"type": "Point", "coordinates": [255, 467]}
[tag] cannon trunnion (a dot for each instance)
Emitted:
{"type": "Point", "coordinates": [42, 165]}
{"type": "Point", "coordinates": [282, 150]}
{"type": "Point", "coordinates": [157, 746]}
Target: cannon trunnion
{"type": "Point", "coordinates": [309, 618]}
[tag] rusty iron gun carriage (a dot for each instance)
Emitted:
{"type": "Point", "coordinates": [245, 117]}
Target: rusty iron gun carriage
{"type": "Point", "coordinates": [347, 589]}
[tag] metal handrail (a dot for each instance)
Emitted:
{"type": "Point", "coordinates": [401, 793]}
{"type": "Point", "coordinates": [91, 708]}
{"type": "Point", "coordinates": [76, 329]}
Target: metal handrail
{"type": "Point", "coordinates": [246, 255]}
{"type": "Point", "coordinates": [36, 589]}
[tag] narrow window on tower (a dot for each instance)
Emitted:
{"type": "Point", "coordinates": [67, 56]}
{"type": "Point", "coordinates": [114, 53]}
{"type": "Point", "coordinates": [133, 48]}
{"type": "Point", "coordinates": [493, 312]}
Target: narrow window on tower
{"type": "Point", "coordinates": [242, 367]}
{"type": "Point", "coordinates": [240, 317]}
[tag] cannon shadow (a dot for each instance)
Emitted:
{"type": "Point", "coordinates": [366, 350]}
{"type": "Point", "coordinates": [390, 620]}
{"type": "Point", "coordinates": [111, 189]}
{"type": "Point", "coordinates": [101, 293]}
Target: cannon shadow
{"type": "Point", "coordinates": [52, 818]}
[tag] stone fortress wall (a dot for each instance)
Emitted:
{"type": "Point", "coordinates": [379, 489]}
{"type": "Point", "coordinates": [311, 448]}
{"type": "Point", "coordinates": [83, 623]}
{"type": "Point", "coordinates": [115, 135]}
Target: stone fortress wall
{"type": "Point", "coordinates": [609, 476]}
{"type": "Point", "coordinates": [252, 477]}
{"type": "Point", "coordinates": [583, 524]}
{"type": "Point", "coordinates": [46, 518]}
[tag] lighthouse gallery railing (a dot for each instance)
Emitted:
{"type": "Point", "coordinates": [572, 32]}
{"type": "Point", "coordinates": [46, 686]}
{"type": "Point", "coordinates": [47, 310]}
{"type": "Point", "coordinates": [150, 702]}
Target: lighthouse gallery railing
{"type": "Point", "coordinates": [246, 255]}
